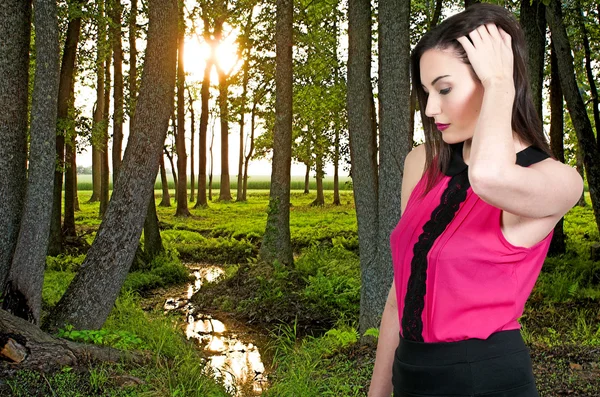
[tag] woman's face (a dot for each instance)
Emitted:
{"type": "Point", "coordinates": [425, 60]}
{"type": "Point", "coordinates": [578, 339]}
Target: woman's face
{"type": "Point", "coordinates": [454, 95]}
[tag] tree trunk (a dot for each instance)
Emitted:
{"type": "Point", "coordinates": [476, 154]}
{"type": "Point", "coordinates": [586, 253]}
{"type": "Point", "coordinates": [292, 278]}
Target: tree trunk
{"type": "Point", "coordinates": [577, 110]}
{"type": "Point", "coordinates": [363, 155]}
{"type": "Point", "coordinates": [394, 119]}
{"type": "Point", "coordinates": [152, 241]}
{"type": "Point", "coordinates": [105, 177]}
{"type": "Point", "coordinates": [580, 168]}
{"type": "Point", "coordinates": [99, 111]}
{"type": "Point", "coordinates": [68, 229]}
{"type": "Point", "coordinates": [588, 70]}
{"type": "Point", "coordinates": [65, 98]}
{"type": "Point", "coordinates": [182, 202]}
{"type": "Point", "coordinates": [74, 168]}
{"type": "Point", "coordinates": [132, 58]}
{"type": "Point", "coordinates": [87, 302]}
{"type": "Point", "coordinates": [320, 200]}
{"type": "Point", "coordinates": [210, 175]}
{"type": "Point", "coordinates": [436, 14]}
{"type": "Point", "coordinates": [307, 179]}
{"type": "Point", "coordinates": [557, 246]}
{"type": "Point", "coordinates": [15, 26]}
{"type": "Point", "coordinates": [533, 23]}
{"type": "Point", "coordinates": [173, 172]}
{"type": "Point", "coordinates": [276, 244]}
{"type": "Point", "coordinates": [116, 10]}
{"type": "Point", "coordinates": [250, 152]}
{"type": "Point", "coordinates": [336, 166]}
{"type": "Point", "coordinates": [225, 188]}
{"type": "Point", "coordinates": [240, 177]}
{"type": "Point", "coordinates": [23, 293]}
{"type": "Point", "coordinates": [166, 197]}
{"type": "Point", "coordinates": [192, 133]}
{"type": "Point", "coordinates": [204, 99]}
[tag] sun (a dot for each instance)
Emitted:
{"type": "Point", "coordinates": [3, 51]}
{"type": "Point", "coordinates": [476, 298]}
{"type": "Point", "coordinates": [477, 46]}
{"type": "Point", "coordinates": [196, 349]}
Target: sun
{"type": "Point", "coordinates": [196, 53]}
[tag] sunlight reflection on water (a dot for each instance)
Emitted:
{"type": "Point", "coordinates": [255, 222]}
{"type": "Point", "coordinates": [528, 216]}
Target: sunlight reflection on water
{"type": "Point", "coordinates": [239, 364]}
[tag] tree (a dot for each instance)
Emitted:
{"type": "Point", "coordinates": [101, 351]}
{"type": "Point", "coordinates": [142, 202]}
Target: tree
{"type": "Point", "coordinates": [92, 293]}
{"type": "Point", "coordinates": [166, 198]}
{"type": "Point", "coordinates": [575, 105]}
{"type": "Point", "coordinates": [276, 244]}
{"type": "Point", "coordinates": [204, 99]}
{"type": "Point", "coordinates": [182, 204]}
{"type": "Point", "coordinates": [65, 99]}
{"type": "Point", "coordinates": [557, 246]}
{"type": "Point", "coordinates": [533, 23]}
{"type": "Point", "coordinates": [116, 9]}
{"type": "Point", "coordinates": [104, 161]}
{"type": "Point", "coordinates": [23, 292]}
{"type": "Point", "coordinates": [15, 19]}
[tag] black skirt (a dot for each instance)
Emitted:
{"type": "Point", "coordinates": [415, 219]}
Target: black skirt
{"type": "Point", "coordinates": [499, 366]}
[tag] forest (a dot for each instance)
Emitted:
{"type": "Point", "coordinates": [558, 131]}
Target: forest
{"type": "Point", "coordinates": [143, 249]}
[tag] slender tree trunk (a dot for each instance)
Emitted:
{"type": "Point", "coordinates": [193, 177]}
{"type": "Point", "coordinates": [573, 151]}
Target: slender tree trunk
{"type": "Point", "coordinates": [436, 14]}
{"type": "Point", "coordinates": [210, 175]}
{"type": "Point", "coordinates": [173, 172]}
{"type": "Point", "coordinates": [116, 10]}
{"type": "Point", "coordinates": [276, 244]}
{"type": "Point", "coordinates": [98, 118]}
{"type": "Point", "coordinates": [250, 152]}
{"type": "Point", "coordinates": [182, 202]}
{"type": "Point", "coordinates": [240, 177]}
{"type": "Point", "coordinates": [74, 168]}
{"type": "Point", "coordinates": [153, 245]}
{"type": "Point", "coordinates": [92, 293]}
{"type": "Point", "coordinates": [320, 199]}
{"type": "Point", "coordinates": [225, 188]}
{"type": "Point", "coordinates": [581, 169]}
{"type": "Point", "coordinates": [307, 179]}
{"type": "Point", "coordinates": [577, 110]}
{"type": "Point", "coordinates": [105, 179]}
{"type": "Point", "coordinates": [132, 57]}
{"type": "Point", "coordinates": [204, 98]}
{"type": "Point", "coordinates": [557, 246]}
{"type": "Point", "coordinates": [68, 229]}
{"type": "Point", "coordinates": [336, 166]}
{"type": "Point", "coordinates": [22, 295]}
{"type": "Point", "coordinates": [533, 23]}
{"type": "Point", "coordinates": [193, 133]}
{"type": "Point", "coordinates": [588, 70]}
{"type": "Point", "coordinates": [411, 125]}
{"type": "Point", "coordinates": [166, 197]}
{"type": "Point", "coordinates": [66, 84]}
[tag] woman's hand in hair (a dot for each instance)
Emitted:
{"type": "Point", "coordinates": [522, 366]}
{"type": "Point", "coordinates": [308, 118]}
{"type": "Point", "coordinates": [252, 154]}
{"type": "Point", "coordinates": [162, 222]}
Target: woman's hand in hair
{"type": "Point", "coordinates": [490, 53]}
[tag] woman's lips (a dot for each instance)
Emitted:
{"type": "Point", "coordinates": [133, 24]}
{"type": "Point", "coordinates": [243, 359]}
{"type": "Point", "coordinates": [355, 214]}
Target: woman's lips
{"type": "Point", "coordinates": [441, 126]}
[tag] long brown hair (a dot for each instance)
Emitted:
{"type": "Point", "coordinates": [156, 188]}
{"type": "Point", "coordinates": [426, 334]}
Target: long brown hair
{"type": "Point", "coordinates": [525, 120]}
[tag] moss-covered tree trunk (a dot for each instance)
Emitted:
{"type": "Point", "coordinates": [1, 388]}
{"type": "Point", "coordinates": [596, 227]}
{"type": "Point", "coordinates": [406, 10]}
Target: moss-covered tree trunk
{"type": "Point", "coordinates": [577, 110]}
{"type": "Point", "coordinates": [277, 244]}
{"type": "Point", "coordinates": [91, 295]}
{"type": "Point", "coordinates": [23, 293]}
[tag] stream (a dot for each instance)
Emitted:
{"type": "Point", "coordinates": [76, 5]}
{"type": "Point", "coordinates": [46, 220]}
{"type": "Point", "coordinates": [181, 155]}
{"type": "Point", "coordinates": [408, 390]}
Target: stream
{"type": "Point", "coordinates": [230, 347]}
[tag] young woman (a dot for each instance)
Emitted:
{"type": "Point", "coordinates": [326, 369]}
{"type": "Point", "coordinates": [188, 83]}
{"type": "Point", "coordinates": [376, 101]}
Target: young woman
{"type": "Point", "coordinates": [479, 200]}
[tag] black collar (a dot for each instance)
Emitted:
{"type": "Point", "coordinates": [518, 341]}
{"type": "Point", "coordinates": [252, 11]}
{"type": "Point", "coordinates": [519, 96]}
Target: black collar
{"type": "Point", "coordinates": [526, 157]}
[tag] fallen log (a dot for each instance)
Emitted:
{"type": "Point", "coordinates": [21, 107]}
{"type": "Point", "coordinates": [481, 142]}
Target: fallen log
{"type": "Point", "coordinates": [26, 345]}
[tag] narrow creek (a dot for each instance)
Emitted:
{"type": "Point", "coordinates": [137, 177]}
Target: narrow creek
{"type": "Point", "coordinates": [231, 348]}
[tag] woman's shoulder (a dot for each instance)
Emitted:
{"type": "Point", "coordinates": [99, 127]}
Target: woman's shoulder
{"type": "Point", "coordinates": [414, 167]}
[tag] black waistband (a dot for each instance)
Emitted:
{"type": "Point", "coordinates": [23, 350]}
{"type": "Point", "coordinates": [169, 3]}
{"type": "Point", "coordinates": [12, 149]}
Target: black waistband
{"type": "Point", "coordinates": [470, 350]}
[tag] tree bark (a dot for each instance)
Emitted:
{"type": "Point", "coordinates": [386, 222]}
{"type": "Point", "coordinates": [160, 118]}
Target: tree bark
{"type": "Point", "coordinates": [23, 292]}
{"type": "Point", "coordinates": [68, 229]}
{"type": "Point", "coordinates": [182, 202]}
{"type": "Point", "coordinates": [173, 172]}
{"type": "Point", "coordinates": [166, 197]}
{"type": "Point", "coordinates": [105, 174]}
{"type": "Point", "coordinates": [116, 10]}
{"type": "Point", "coordinates": [15, 26]}
{"type": "Point", "coordinates": [276, 244]}
{"type": "Point", "coordinates": [580, 169]}
{"type": "Point", "coordinates": [336, 166]}
{"type": "Point", "coordinates": [153, 245]}
{"type": "Point", "coordinates": [36, 350]}
{"type": "Point", "coordinates": [204, 99]}
{"type": "Point", "coordinates": [225, 188]}
{"type": "Point", "coordinates": [250, 151]}
{"type": "Point", "coordinates": [577, 110]}
{"type": "Point", "coordinates": [132, 58]}
{"type": "Point", "coordinates": [92, 293]}
{"type": "Point", "coordinates": [99, 111]}
{"type": "Point", "coordinates": [588, 70]}
{"type": "Point", "coordinates": [65, 90]}
{"type": "Point", "coordinates": [557, 245]}
{"type": "Point", "coordinates": [320, 199]}
{"type": "Point", "coordinates": [533, 23]}
{"type": "Point", "coordinates": [192, 134]}
{"type": "Point", "coordinates": [240, 177]}
{"type": "Point", "coordinates": [307, 179]}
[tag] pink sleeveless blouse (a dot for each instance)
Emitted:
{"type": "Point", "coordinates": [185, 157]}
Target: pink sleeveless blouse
{"type": "Point", "coordinates": [456, 275]}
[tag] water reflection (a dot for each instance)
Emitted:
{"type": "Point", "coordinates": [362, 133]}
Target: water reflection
{"type": "Point", "coordinates": [238, 364]}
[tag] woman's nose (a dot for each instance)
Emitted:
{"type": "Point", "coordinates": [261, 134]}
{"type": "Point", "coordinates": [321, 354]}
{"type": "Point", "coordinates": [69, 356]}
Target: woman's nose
{"type": "Point", "coordinates": [433, 107]}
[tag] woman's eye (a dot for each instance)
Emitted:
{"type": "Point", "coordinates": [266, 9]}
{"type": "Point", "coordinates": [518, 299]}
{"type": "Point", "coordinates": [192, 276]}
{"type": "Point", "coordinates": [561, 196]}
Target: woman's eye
{"type": "Point", "coordinates": [445, 91]}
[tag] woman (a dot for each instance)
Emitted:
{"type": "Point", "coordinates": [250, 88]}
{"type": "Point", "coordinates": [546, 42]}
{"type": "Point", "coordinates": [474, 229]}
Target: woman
{"type": "Point", "coordinates": [479, 200]}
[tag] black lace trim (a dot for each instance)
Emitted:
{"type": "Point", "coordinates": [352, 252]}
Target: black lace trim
{"type": "Point", "coordinates": [442, 215]}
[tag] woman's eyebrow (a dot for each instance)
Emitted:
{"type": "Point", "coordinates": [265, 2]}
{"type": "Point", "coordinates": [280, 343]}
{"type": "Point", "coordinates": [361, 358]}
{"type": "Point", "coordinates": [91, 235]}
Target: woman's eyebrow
{"type": "Point", "coordinates": [439, 77]}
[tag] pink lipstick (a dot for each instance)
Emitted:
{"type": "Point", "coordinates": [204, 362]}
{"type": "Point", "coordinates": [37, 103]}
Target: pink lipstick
{"type": "Point", "coordinates": [441, 126]}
